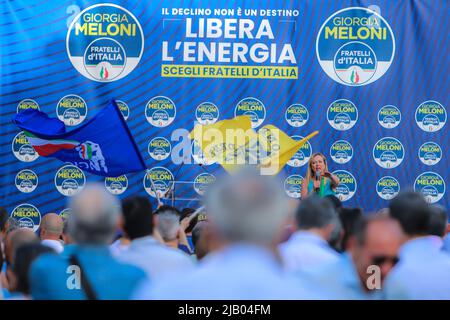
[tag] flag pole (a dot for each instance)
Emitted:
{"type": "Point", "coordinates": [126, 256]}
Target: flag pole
{"type": "Point", "coordinates": [152, 184]}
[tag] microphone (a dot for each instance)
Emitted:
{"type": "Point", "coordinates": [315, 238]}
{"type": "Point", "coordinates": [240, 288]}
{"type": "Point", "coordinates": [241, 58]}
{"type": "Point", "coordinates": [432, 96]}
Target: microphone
{"type": "Point", "coordinates": [318, 174]}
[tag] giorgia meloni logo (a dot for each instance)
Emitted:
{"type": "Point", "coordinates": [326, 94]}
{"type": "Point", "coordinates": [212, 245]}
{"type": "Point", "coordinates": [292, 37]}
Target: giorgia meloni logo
{"type": "Point", "coordinates": [22, 149]}
{"type": "Point", "coordinates": [251, 107]}
{"type": "Point", "coordinates": [297, 115]}
{"type": "Point", "coordinates": [431, 116]}
{"type": "Point", "coordinates": [160, 111]}
{"type": "Point", "coordinates": [27, 215]}
{"type": "Point", "coordinates": [387, 188]}
{"type": "Point", "coordinates": [341, 151]}
{"type": "Point", "coordinates": [26, 181]}
{"type": "Point", "coordinates": [207, 113]}
{"type": "Point", "coordinates": [431, 185]}
{"type": "Point", "coordinates": [430, 153]}
{"type": "Point", "coordinates": [293, 186]}
{"type": "Point", "coordinates": [347, 186]}
{"type": "Point", "coordinates": [162, 181]}
{"type": "Point", "coordinates": [389, 116]}
{"type": "Point", "coordinates": [388, 152]}
{"type": "Point", "coordinates": [116, 185]}
{"type": "Point", "coordinates": [202, 182]}
{"type": "Point", "coordinates": [71, 110]}
{"type": "Point", "coordinates": [301, 157]}
{"type": "Point", "coordinates": [342, 114]}
{"type": "Point", "coordinates": [355, 46]}
{"type": "Point", "coordinates": [105, 42]}
{"type": "Point", "coordinates": [159, 148]}
{"type": "Point", "coordinates": [69, 180]}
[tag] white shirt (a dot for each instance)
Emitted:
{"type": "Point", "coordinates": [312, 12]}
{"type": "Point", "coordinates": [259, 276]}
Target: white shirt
{"type": "Point", "coordinates": [423, 271]}
{"type": "Point", "coordinates": [155, 258]}
{"type": "Point", "coordinates": [305, 251]}
{"type": "Point", "coordinates": [53, 244]}
{"type": "Point", "coordinates": [239, 272]}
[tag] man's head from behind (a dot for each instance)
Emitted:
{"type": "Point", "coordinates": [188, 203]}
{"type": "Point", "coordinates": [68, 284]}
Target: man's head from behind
{"type": "Point", "coordinates": [51, 227]}
{"type": "Point", "coordinates": [378, 240]}
{"type": "Point", "coordinates": [412, 211]}
{"type": "Point", "coordinates": [15, 239]}
{"type": "Point", "coordinates": [247, 207]}
{"type": "Point", "coordinates": [168, 222]}
{"type": "Point", "coordinates": [137, 217]}
{"type": "Point", "coordinates": [94, 217]}
{"type": "Point", "coordinates": [438, 221]}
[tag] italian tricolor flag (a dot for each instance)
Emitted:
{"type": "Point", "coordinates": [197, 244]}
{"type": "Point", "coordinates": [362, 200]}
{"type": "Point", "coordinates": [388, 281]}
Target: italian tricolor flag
{"type": "Point", "coordinates": [45, 147]}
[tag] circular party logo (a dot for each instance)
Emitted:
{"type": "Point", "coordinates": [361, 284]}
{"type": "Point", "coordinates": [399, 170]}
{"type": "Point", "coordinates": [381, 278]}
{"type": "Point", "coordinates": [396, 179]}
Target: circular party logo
{"type": "Point", "coordinates": [105, 42]}
{"type": "Point", "coordinates": [22, 149]}
{"type": "Point", "coordinates": [388, 153]}
{"type": "Point", "coordinates": [199, 156]}
{"type": "Point", "coordinates": [301, 157]}
{"type": "Point", "coordinates": [27, 215]}
{"type": "Point", "coordinates": [116, 185]}
{"type": "Point", "coordinates": [293, 186]}
{"type": "Point", "coordinates": [27, 104]}
{"type": "Point", "coordinates": [347, 186]}
{"type": "Point", "coordinates": [159, 148]}
{"type": "Point", "coordinates": [124, 109]}
{"type": "Point", "coordinates": [160, 111]}
{"type": "Point", "coordinates": [431, 116]}
{"type": "Point", "coordinates": [387, 188]}
{"type": "Point", "coordinates": [341, 151]}
{"type": "Point", "coordinates": [430, 153]}
{"type": "Point", "coordinates": [162, 181]}
{"type": "Point", "coordinates": [26, 181]}
{"type": "Point", "coordinates": [342, 114]}
{"type": "Point", "coordinates": [207, 113]}
{"type": "Point", "coordinates": [297, 115]}
{"type": "Point", "coordinates": [251, 107]}
{"type": "Point", "coordinates": [431, 185]}
{"type": "Point", "coordinates": [389, 117]}
{"type": "Point", "coordinates": [71, 110]}
{"type": "Point", "coordinates": [202, 182]}
{"type": "Point", "coordinates": [69, 180]}
{"type": "Point", "coordinates": [355, 46]}
{"type": "Point", "coordinates": [65, 214]}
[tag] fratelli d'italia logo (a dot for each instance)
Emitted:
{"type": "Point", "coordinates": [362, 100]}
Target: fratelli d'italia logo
{"type": "Point", "coordinates": [202, 182]}
{"type": "Point", "coordinates": [105, 42]}
{"type": "Point", "coordinates": [341, 151]}
{"type": "Point", "coordinates": [293, 186]}
{"type": "Point", "coordinates": [389, 116]}
{"type": "Point", "coordinates": [27, 104]}
{"type": "Point", "coordinates": [27, 215]}
{"type": "Point", "coordinates": [26, 181]}
{"type": "Point", "coordinates": [69, 180]}
{"type": "Point", "coordinates": [297, 115]}
{"type": "Point", "coordinates": [251, 107]}
{"type": "Point", "coordinates": [342, 114]}
{"type": "Point", "coordinates": [431, 116]}
{"type": "Point", "coordinates": [116, 185]}
{"type": "Point", "coordinates": [160, 111]}
{"type": "Point", "coordinates": [431, 185]}
{"type": "Point", "coordinates": [71, 110]}
{"type": "Point", "coordinates": [388, 152]}
{"type": "Point", "coordinates": [22, 149]}
{"type": "Point", "coordinates": [430, 153]}
{"type": "Point", "coordinates": [355, 46]}
{"type": "Point", "coordinates": [301, 157]}
{"type": "Point", "coordinates": [207, 113]}
{"type": "Point", "coordinates": [387, 188]}
{"type": "Point", "coordinates": [162, 179]}
{"type": "Point", "coordinates": [347, 186]}
{"type": "Point", "coordinates": [159, 148]}
{"type": "Point", "coordinates": [124, 109]}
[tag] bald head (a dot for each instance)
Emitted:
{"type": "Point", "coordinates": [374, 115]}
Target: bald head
{"type": "Point", "coordinates": [51, 226]}
{"type": "Point", "coordinates": [17, 238]}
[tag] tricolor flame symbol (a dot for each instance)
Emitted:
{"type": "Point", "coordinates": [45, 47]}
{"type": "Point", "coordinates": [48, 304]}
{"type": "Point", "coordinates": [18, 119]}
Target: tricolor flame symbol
{"type": "Point", "coordinates": [354, 78]}
{"type": "Point", "coordinates": [104, 73]}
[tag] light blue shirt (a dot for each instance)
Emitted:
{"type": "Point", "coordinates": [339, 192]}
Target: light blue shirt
{"type": "Point", "coordinates": [340, 280]}
{"type": "Point", "coordinates": [238, 272]}
{"type": "Point", "coordinates": [155, 258]}
{"type": "Point", "coordinates": [446, 244]}
{"type": "Point", "coordinates": [423, 271]}
{"type": "Point", "coordinates": [110, 279]}
{"type": "Point", "coordinates": [305, 250]}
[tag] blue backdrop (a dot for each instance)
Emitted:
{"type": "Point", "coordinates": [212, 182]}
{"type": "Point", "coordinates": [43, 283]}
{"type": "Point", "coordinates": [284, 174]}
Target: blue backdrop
{"type": "Point", "coordinates": [372, 76]}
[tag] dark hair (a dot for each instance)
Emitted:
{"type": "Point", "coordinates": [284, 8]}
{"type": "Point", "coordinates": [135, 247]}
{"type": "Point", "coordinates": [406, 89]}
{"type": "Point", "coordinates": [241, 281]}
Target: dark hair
{"type": "Point", "coordinates": [438, 221]}
{"type": "Point", "coordinates": [24, 257]}
{"type": "Point", "coordinates": [3, 218]}
{"type": "Point", "coordinates": [196, 232]}
{"type": "Point", "coordinates": [138, 217]}
{"type": "Point", "coordinates": [315, 212]}
{"type": "Point", "coordinates": [351, 220]}
{"type": "Point", "coordinates": [412, 212]}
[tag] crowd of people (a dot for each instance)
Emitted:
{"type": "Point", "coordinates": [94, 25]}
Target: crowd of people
{"type": "Point", "coordinates": [248, 241]}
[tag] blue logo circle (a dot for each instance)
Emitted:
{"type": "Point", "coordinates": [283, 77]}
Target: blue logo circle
{"type": "Point", "coordinates": [430, 153]}
{"type": "Point", "coordinates": [388, 188]}
{"type": "Point", "coordinates": [302, 156]}
{"type": "Point", "coordinates": [431, 185]}
{"type": "Point", "coordinates": [389, 116]}
{"type": "Point", "coordinates": [347, 186]}
{"type": "Point", "coordinates": [124, 109]}
{"type": "Point", "coordinates": [388, 152]}
{"type": "Point", "coordinates": [431, 116]}
{"type": "Point", "coordinates": [69, 180]}
{"type": "Point", "coordinates": [251, 107]}
{"type": "Point", "coordinates": [202, 182]}
{"type": "Point", "coordinates": [116, 185]}
{"type": "Point", "coordinates": [293, 186]}
{"type": "Point", "coordinates": [26, 181]}
{"type": "Point", "coordinates": [27, 104]}
{"type": "Point", "coordinates": [27, 215]}
{"type": "Point", "coordinates": [162, 181]}
{"type": "Point", "coordinates": [341, 151]}
{"type": "Point", "coordinates": [160, 111]}
{"type": "Point", "coordinates": [159, 148]}
{"type": "Point", "coordinates": [207, 113]}
{"type": "Point", "coordinates": [342, 114]}
{"type": "Point", "coordinates": [22, 149]}
{"type": "Point", "coordinates": [297, 115]}
{"type": "Point", "coordinates": [71, 110]}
